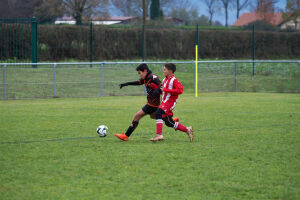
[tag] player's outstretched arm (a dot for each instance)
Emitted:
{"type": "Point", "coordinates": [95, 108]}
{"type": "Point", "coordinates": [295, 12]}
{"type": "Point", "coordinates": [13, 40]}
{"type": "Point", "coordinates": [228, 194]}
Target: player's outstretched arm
{"type": "Point", "coordinates": [129, 83]}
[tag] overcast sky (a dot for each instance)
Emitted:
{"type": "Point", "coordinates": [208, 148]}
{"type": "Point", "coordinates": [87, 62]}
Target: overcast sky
{"type": "Point", "coordinates": [232, 14]}
{"type": "Point", "coordinates": [220, 16]}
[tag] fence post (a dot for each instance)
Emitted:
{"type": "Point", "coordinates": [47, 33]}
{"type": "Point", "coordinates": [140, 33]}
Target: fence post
{"type": "Point", "coordinates": [4, 82]}
{"type": "Point", "coordinates": [234, 77]}
{"type": "Point", "coordinates": [33, 41]}
{"type": "Point", "coordinates": [101, 81]}
{"type": "Point", "coordinates": [196, 71]}
{"type": "Point", "coordinates": [143, 42]}
{"type": "Point", "coordinates": [91, 43]}
{"type": "Point", "coordinates": [253, 50]}
{"type": "Point", "coordinates": [1, 45]}
{"type": "Point", "coordinates": [54, 80]}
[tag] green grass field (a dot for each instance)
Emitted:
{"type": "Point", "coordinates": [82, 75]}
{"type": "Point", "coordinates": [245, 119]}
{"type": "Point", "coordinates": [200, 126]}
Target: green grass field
{"type": "Point", "coordinates": [246, 146]}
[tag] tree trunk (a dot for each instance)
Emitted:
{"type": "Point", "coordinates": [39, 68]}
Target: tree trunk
{"type": "Point", "coordinates": [226, 16]}
{"type": "Point", "coordinates": [237, 9]}
{"type": "Point", "coordinates": [78, 19]}
{"type": "Point", "coordinates": [144, 12]}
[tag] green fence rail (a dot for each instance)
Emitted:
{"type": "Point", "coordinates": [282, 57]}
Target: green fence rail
{"type": "Point", "coordinates": [18, 40]}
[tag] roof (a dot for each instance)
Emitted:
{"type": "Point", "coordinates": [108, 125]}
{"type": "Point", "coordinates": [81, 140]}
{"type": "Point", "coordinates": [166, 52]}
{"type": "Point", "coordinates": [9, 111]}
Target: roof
{"type": "Point", "coordinates": [65, 19]}
{"type": "Point", "coordinates": [120, 18]}
{"type": "Point", "coordinates": [110, 20]}
{"type": "Point", "coordinates": [173, 19]}
{"type": "Point", "coordinates": [99, 19]}
{"type": "Point", "coordinates": [247, 18]}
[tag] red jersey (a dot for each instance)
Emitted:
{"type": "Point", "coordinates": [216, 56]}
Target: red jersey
{"type": "Point", "coordinates": [172, 88]}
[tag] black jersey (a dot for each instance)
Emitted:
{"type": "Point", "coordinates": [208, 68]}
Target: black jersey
{"type": "Point", "coordinates": [151, 82]}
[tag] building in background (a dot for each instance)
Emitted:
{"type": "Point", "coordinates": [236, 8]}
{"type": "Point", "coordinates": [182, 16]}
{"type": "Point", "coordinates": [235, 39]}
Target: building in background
{"type": "Point", "coordinates": [276, 19]}
{"type": "Point", "coordinates": [116, 20]}
{"type": "Point", "coordinates": [65, 20]}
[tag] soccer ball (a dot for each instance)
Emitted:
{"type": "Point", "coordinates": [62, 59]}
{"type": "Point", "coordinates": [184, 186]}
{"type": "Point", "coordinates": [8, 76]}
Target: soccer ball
{"type": "Point", "coordinates": [102, 131]}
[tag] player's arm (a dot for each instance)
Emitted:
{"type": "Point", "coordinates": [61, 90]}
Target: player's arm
{"type": "Point", "coordinates": [139, 82]}
{"type": "Point", "coordinates": [155, 85]}
{"type": "Point", "coordinates": [157, 91]}
{"type": "Point", "coordinates": [178, 88]}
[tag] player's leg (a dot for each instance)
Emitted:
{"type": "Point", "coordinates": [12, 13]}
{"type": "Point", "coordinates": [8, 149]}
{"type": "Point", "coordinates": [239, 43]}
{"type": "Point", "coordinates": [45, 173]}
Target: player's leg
{"type": "Point", "coordinates": [135, 122]}
{"type": "Point", "coordinates": [153, 116]}
{"type": "Point", "coordinates": [132, 127]}
{"type": "Point", "coordinates": [177, 126]}
{"type": "Point", "coordinates": [159, 125]}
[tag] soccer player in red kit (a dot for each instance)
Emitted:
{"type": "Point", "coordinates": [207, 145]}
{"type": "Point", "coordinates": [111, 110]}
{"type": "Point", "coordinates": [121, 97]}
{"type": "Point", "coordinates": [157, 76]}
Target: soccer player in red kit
{"type": "Point", "coordinates": [152, 84]}
{"type": "Point", "coordinates": [170, 89]}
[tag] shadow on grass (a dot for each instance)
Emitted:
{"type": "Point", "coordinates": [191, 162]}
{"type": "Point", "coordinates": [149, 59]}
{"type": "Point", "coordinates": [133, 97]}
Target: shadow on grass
{"type": "Point", "coordinates": [197, 130]}
{"type": "Point", "coordinates": [49, 140]}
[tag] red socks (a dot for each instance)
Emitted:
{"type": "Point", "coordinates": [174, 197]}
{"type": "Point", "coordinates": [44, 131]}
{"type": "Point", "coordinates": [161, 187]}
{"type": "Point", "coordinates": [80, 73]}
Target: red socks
{"type": "Point", "coordinates": [177, 126]}
{"type": "Point", "coordinates": [159, 126]}
{"type": "Point", "coordinates": [180, 127]}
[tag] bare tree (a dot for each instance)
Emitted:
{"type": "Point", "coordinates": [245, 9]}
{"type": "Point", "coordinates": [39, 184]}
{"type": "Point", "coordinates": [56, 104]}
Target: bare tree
{"type": "Point", "coordinates": [182, 10]}
{"type": "Point", "coordinates": [18, 8]}
{"type": "Point", "coordinates": [292, 11]}
{"type": "Point", "coordinates": [48, 11]}
{"type": "Point", "coordinates": [189, 13]}
{"type": "Point", "coordinates": [126, 7]}
{"type": "Point", "coordinates": [265, 6]}
{"type": "Point", "coordinates": [144, 11]}
{"type": "Point", "coordinates": [135, 7]}
{"type": "Point", "coordinates": [240, 5]}
{"type": "Point", "coordinates": [4, 9]}
{"type": "Point", "coordinates": [226, 4]}
{"type": "Point", "coordinates": [80, 8]}
{"type": "Point", "coordinates": [211, 8]}
{"type": "Point", "coordinates": [265, 9]}
{"type": "Point", "coordinates": [169, 5]}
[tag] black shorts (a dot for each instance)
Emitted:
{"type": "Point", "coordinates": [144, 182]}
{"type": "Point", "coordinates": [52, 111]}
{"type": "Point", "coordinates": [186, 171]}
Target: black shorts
{"type": "Point", "coordinates": [149, 109]}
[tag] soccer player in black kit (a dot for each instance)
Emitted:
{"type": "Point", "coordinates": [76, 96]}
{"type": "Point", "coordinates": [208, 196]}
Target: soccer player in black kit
{"type": "Point", "coordinates": [152, 84]}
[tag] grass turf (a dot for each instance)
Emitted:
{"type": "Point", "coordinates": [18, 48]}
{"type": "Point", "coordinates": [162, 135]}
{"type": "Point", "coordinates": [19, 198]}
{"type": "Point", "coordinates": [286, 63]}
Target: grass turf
{"type": "Point", "coordinates": [246, 147]}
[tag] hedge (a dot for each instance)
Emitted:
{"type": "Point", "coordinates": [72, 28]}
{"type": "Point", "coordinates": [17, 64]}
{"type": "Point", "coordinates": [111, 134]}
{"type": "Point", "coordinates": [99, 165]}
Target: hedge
{"type": "Point", "coordinates": [57, 43]}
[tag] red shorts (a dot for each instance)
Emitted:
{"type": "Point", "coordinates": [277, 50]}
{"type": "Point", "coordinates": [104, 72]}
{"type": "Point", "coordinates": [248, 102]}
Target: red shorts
{"type": "Point", "coordinates": [168, 107]}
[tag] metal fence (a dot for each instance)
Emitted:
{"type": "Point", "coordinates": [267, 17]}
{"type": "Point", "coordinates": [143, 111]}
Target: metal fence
{"type": "Point", "coordinates": [18, 40]}
{"type": "Point", "coordinates": [23, 40]}
{"type": "Point", "coordinates": [52, 80]}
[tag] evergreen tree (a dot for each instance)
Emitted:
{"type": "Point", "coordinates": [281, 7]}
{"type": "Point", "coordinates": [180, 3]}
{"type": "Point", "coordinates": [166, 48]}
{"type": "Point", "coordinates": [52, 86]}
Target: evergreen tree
{"type": "Point", "coordinates": [155, 11]}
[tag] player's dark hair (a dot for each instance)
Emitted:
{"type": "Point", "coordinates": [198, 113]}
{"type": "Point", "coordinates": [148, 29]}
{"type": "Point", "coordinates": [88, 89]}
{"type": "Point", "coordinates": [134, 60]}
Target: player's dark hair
{"type": "Point", "coordinates": [170, 66]}
{"type": "Point", "coordinates": [142, 67]}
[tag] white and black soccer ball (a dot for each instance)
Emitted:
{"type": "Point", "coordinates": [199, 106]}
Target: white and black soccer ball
{"type": "Point", "coordinates": [102, 131]}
